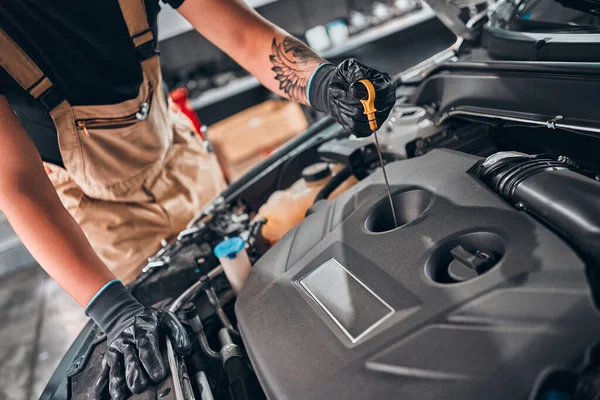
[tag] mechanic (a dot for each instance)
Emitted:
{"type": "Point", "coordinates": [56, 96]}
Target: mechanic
{"type": "Point", "coordinates": [83, 115]}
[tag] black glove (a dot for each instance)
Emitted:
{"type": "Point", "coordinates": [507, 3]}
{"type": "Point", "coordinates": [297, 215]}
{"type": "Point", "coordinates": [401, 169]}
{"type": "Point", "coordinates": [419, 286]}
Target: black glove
{"type": "Point", "coordinates": [133, 356]}
{"type": "Point", "coordinates": [330, 91]}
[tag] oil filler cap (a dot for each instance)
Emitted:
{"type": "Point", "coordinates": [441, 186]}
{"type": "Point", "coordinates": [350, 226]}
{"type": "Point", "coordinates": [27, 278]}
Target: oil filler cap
{"type": "Point", "coordinates": [467, 265]}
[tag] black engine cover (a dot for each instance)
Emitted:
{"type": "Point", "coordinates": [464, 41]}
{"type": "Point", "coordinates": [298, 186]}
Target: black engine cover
{"type": "Point", "coordinates": [383, 320]}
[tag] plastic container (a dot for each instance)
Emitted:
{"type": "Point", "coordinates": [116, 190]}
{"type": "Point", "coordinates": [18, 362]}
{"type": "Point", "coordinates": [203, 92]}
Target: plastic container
{"type": "Point", "coordinates": [338, 32]}
{"type": "Point", "coordinates": [318, 38]}
{"type": "Point", "coordinates": [234, 260]}
{"type": "Point", "coordinates": [287, 208]}
{"type": "Point", "coordinates": [405, 124]}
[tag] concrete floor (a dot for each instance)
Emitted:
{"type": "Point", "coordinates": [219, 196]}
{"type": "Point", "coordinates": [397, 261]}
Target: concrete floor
{"type": "Point", "coordinates": [38, 323]}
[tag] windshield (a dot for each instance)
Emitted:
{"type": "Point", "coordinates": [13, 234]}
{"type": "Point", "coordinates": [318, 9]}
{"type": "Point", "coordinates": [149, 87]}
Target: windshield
{"type": "Point", "coordinates": [556, 16]}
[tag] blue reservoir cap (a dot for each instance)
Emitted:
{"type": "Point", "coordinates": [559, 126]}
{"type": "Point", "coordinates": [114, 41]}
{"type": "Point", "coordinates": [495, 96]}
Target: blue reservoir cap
{"type": "Point", "coordinates": [229, 247]}
{"type": "Point", "coordinates": [335, 23]}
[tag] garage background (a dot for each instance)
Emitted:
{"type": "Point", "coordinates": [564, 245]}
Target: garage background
{"type": "Point", "coordinates": [39, 321]}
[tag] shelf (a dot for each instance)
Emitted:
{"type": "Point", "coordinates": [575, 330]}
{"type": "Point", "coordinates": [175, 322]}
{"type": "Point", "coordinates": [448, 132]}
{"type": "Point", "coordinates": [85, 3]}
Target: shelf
{"type": "Point", "coordinates": [381, 31]}
{"type": "Point", "coordinates": [246, 83]}
{"type": "Point", "coordinates": [213, 96]}
{"type": "Point", "coordinates": [171, 23]}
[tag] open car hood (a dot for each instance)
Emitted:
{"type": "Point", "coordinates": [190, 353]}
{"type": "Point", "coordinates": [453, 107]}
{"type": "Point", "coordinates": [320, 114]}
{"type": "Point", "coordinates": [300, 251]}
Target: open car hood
{"type": "Point", "coordinates": [455, 15]}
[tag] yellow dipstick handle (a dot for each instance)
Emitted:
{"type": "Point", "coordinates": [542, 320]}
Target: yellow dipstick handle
{"type": "Point", "coordinates": [369, 104]}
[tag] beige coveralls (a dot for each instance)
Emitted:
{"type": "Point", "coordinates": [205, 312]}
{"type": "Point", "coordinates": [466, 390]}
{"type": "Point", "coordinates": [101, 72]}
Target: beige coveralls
{"type": "Point", "coordinates": [135, 172]}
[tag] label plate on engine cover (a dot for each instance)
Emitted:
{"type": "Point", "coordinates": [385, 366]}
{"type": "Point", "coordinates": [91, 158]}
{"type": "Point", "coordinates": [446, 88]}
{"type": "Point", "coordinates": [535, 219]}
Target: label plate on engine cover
{"type": "Point", "coordinates": [352, 305]}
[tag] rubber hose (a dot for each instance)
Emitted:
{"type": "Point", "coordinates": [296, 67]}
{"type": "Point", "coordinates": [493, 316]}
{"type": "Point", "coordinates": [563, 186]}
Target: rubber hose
{"type": "Point", "coordinates": [346, 173]}
{"type": "Point", "coordinates": [334, 183]}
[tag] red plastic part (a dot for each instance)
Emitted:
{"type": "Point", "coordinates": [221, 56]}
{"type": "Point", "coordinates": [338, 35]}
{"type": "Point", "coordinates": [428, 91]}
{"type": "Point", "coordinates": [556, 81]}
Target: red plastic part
{"type": "Point", "coordinates": [180, 96]}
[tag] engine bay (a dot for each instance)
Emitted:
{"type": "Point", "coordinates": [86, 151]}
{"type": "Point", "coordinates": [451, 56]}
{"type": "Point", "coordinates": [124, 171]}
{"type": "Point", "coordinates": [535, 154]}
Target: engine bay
{"type": "Point", "coordinates": [295, 283]}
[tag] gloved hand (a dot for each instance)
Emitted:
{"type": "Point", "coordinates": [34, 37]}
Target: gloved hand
{"type": "Point", "coordinates": [133, 356]}
{"type": "Point", "coordinates": [330, 91]}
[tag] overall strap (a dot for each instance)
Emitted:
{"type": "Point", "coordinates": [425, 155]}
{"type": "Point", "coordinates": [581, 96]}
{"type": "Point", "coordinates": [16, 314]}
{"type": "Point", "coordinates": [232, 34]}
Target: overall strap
{"type": "Point", "coordinates": [134, 13]}
{"type": "Point", "coordinates": [26, 73]}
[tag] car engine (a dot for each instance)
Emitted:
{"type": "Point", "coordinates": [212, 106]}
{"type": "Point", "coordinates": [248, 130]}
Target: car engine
{"type": "Point", "coordinates": [469, 299]}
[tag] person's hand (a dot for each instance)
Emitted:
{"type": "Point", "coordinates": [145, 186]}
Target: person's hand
{"type": "Point", "coordinates": [331, 91]}
{"type": "Point", "coordinates": [133, 358]}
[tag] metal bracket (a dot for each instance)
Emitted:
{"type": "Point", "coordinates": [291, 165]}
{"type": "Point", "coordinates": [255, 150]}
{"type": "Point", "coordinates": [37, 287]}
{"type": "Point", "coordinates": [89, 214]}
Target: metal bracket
{"type": "Point", "coordinates": [190, 231]}
{"type": "Point", "coordinates": [448, 13]}
{"type": "Point", "coordinates": [551, 124]}
{"type": "Point", "coordinates": [155, 264]}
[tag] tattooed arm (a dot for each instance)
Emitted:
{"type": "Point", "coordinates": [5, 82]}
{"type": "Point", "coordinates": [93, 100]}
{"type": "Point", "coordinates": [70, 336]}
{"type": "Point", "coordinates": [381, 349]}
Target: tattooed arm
{"type": "Point", "coordinates": [281, 62]}
{"type": "Point", "coordinates": [285, 65]}
{"type": "Point", "coordinates": [293, 64]}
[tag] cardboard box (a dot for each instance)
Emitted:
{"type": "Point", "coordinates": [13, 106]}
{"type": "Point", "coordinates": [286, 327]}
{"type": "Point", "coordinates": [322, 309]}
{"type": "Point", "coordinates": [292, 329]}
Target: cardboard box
{"type": "Point", "coordinates": [244, 139]}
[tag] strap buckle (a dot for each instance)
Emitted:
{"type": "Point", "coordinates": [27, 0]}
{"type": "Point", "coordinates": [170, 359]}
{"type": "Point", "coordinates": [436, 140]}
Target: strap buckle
{"type": "Point", "coordinates": [146, 49]}
{"type": "Point", "coordinates": [51, 98]}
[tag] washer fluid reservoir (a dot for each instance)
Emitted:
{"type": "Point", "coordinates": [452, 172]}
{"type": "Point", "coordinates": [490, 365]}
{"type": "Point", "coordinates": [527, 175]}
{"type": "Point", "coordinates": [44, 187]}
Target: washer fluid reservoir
{"type": "Point", "coordinates": [287, 208]}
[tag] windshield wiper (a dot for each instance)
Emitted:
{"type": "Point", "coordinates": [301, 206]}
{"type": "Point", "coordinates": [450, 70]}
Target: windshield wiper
{"type": "Point", "coordinates": [523, 25]}
{"type": "Point", "coordinates": [567, 29]}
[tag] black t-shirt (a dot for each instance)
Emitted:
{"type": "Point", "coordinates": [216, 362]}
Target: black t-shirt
{"type": "Point", "coordinates": [83, 46]}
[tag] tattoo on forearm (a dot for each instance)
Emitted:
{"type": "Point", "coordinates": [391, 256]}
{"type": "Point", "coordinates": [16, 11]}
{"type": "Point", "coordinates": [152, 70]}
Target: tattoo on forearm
{"type": "Point", "coordinates": [293, 63]}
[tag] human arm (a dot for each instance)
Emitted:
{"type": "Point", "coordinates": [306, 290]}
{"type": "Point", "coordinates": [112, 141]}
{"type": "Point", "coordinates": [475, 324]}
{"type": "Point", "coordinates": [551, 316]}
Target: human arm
{"type": "Point", "coordinates": [256, 44]}
{"type": "Point", "coordinates": [56, 241]}
{"type": "Point", "coordinates": [37, 215]}
{"type": "Point", "coordinates": [287, 66]}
